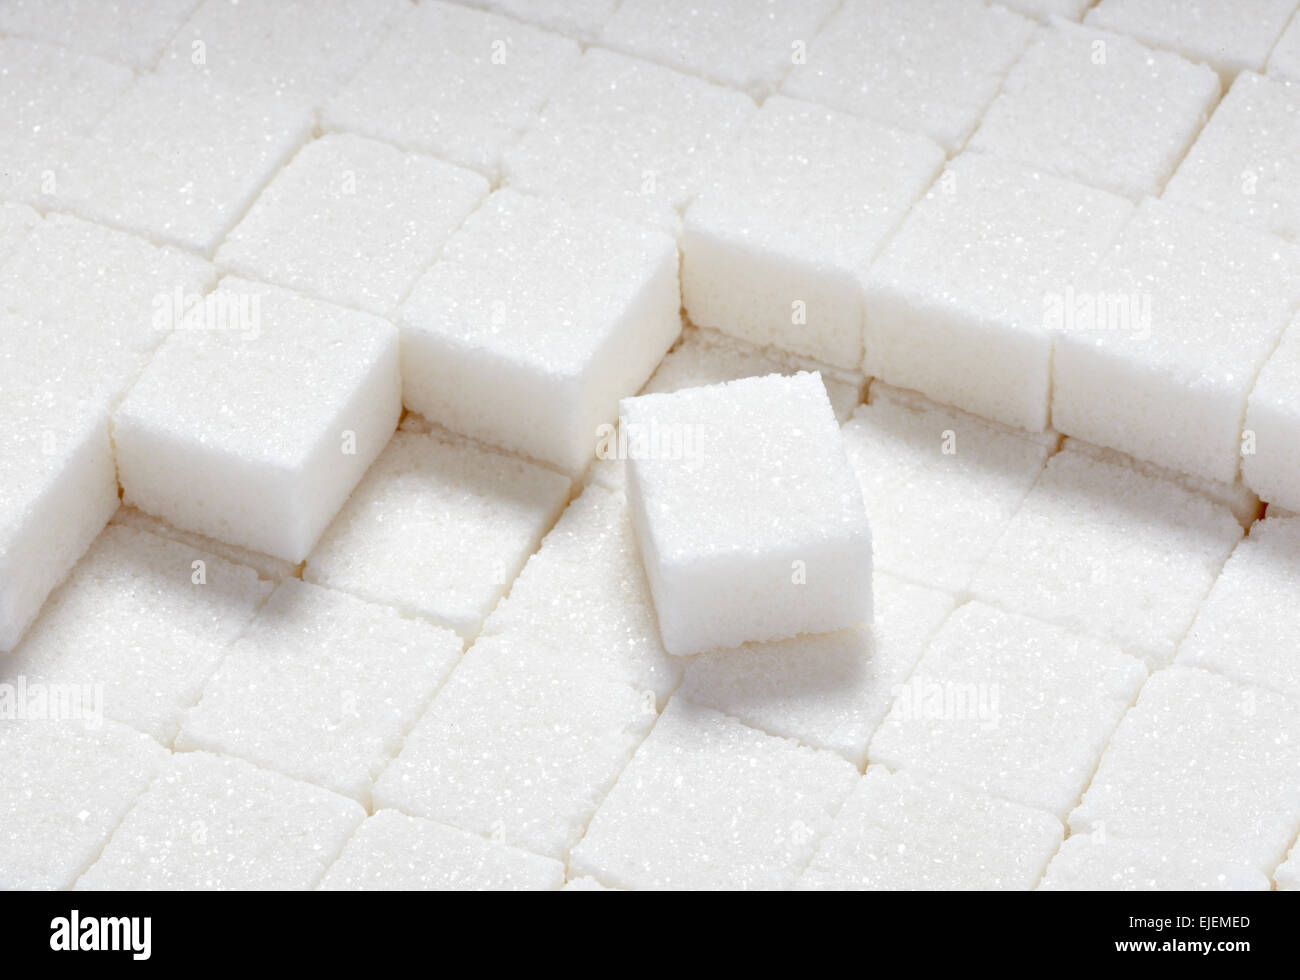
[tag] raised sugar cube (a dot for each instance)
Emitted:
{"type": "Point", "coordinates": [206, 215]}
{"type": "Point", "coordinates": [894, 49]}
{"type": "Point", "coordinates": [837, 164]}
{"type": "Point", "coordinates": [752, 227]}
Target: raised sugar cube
{"type": "Point", "coordinates": [439, 529]}
{"type": "Point", "coordinates": [517, 748]}
{"type": "Point", "coordinates": [535, 322]}
{"type": "Point", "coordinates": [1284, 62]}
{"type": "Point", "coordinates": [931, 66]}
{"type": "Point", "coordinates": [1010, 706]}
{"type": "Point", "coordinates": [271, 569]}
{"type": "Point", "coordinates": [746, 483]}
{"type": "Point", "coordinates": [1111, 552]}
{"type": "Point", "coordinates": [1100, 109]}
{"type": "Point", "coordinates": [16, 221]}
{"type": "Point", "coordinates": [65, 784]}
{"type": "Point", "coordinates": [213, 823]}
{"type": "Point", "coordinates": [957, 305]}
{"type": "Point", "coordinates": [627, 137]}
{"type": "Point", "coordinates": [830, 690]}
{"type": "Point", "coordinates": [707, 803]}
{"type": "Point", "coordinates": [130, 33]}
{"type": "Point", "coordinates": [357, 676]}
{"type": "Point", "coordinates": [394, 852]}
{"type": "Point", "coordinates": [343, 197]}
{"type": "Point", "coordinates": [774, 246]}
{"type": "Point", "coordinates": [457, 83]}
{"type": "Point", "coordinates": [1154, 357]}
{"type": "Point", "coordinates": [255, 419]}
{"type": "Point", "coordinates": [1100, 862]}
{"type": "Point", "coordinates": [907, 832]}
{"type": "Point", "coordinates": [1201, 766]}
{"type": "Point", "coordinates": [1272, 468]}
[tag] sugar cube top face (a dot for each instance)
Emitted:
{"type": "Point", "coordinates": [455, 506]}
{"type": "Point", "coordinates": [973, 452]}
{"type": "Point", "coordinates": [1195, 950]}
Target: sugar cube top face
{"type": "Point", "coordinates": [1284, 62]}
{"type": "Point", "coordinates": [931, 66]}
{"type": "Point", "coordinates": [580, 19]}
{"type": "Point", "coordinates": [775, 243]}
{"type": "Point", "coordinates": [454, 82]}
{"type": "Point", "coordinates": [1245, 166]}
{"type": "Point", "coordinates": [1155, 358]}
{"type": "Point", "coordinates": [707, 803]}
{"type": "Point", "coordinates": [1100, 862]}
{"type": "Point", "coordinates": [394, 852]}
{"type": "Point", "coordinates": [957, 305]}
{"type": "Point", "coordinates": [1073, 104]}
{"type": "Point", "coordinates": [905, 831]}
{"type": "Point", "coordinates": [627, 137]}
{"type": "Point", "coordinates": [130, 34]}
{"type": "Point", "coordinates": [1272, 469]}
{"type": "Point", "coordinates": [352, 221]}
{"type": "Point", "coordinates": [213, 823]}
{"type": "Point", "coordinates": [258, 416]}
{"type": "Point", "coordinates": [534, 322]}
{"type": "Point", "coordinates": [747, 484]}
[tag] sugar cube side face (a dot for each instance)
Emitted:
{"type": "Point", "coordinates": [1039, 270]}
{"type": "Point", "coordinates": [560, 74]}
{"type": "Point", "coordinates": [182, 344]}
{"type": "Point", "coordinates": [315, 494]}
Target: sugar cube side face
{"type": "Point", "coordinates": [707, 803]}
{"type": "Point", "coordinates": [1108, 551]}
{"type": "Point", "coordinates": [129, 34]}
{"type": "Point", "coordinates": [257, 418]}
{"type": "Point", "coordinates": [392, 851]}
{"type": "Point", "coordinates": [66, 785]}
{"type": "Point", "coordinates": [1072, 105]}
{"type": "Point", "coordinates": [215, 823]}
{"type": "Point", "coordinates": [627, 137]}
{"type": "Point", "coordinates": [357, 677]}
{"type": "Point", "coordinates": [746, 483]}
{"type": "Point", "coordinates": [534, 322]}
{"type": "Point", "coordinates": [1097, 862]}
{"type": "Point", "coordinates": [582, 20]}
{"type": "Point", "coordinates": [910, 832]}
{"type": "Point", "coordinates": [1156, 359]}
{"type": "Point", "coordinates": [931, 66]}
{"type": "Point", "coordinates": [775, 243]}
{"type": "Point", "coordinates": [454, 82]}
{"type": "Point", "coordinates": [1271, 468]}
{"type": "Point", "coordinates": [1201, 765]}
{"type": "Point", "coordinates": [958, 304]}
{"type": "Point", "coordinates": [16, 220]}
{"type": "Point", "coordinates": [1284, 62]}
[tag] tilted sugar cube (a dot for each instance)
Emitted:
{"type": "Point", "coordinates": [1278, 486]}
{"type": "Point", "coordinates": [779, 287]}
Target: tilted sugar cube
{"type": "Point", "coordinates": [131, 34]}
{"type": "Point", "coordinates": [1272, 467]}
{"type": "Point", "coordinates": [774, 246]}
{"type": "Point", "coordinates": [1099, 862]}
{"type": "Point", "coordinates": [1284, 62]}
{"type": "Point", "coordinates": [258, 416]}
{"type": "Point", "coordinates": [906, 831]}
{"type": "Point", "coordinates": [580, 19]}
{"type": "Point", "coordinates": [533, 324]}
{"type": "Point", "coordinates": [747, 514]}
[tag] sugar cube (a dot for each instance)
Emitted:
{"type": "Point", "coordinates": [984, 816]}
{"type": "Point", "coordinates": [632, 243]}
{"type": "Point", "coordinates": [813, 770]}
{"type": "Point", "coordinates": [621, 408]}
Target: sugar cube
{"type": "Point", "coordinates": [746, 483]}
{"type": "Point", "coordinates": [255, 420]}
{"type": "Point", "coordinates": [454, 82]}
{"type": "Point", "coordinates": [958, 304]}
{"type": "Point", "coordinates": [16, 221]}
{"type": "Point", "coordinates": [905, 831]}
{"type": "Point", "coordinates": [1100, 109]}
{"type": "Point", "coordinates": [1098, 862]}
{"type": "Point", "coordinates": [1272, 468]}
{"type": "Point", "coordinates": [536, 320]}
{"type": "Point", "coordinates": [774, 245]}
{"type": "Point", "coordinates": [392, 851]}
{"type": "Point", "coordinates": [932, 66]}
{"type": "Point", "coordinates": [130, 33]}
{"type": "Point", "coordinates": [1155, 358]}
{"type": "Point", "coordinates": [1284, 62]}
{"type": "Point", "coordinates": [271, 569]}
{"type": "Point", "coordinates": [707, 803]}
{"type": "Point", "coordinates": [214, 823]}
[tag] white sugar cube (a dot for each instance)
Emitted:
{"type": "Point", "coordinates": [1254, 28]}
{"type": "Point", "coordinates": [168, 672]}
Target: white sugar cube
{"type": "Point", "coordinates": [931, 66]}
{"type": "Point", "coordinates": [627, 137]}
{"type": "Point", "coordinates": [580, 19]}
{"type": "Point", "coordinates": [130, 33]}
{"type": "Point", "coordinates": [457, 83]}
{"type": "Point", "coordinates": [905, 831]}
{"type": "Point", "coordinates": [1272, 468]}
{"type": "Point", "coordinates": [1110, 552]}
{"type": "Point", "coordinates": [64, 787]}
{"type": "Point", "coordinates": [438, 529]}
{"type": "Point", "coordinates": [1010, 706]}
{"type": "Point", "coordinates": [391, 852]}
{"type": "Point", "coordinates": [1284, 62]}
{"type": "Point", "coordinates": [1201, 766]}
{"type": "Point", "coordinates": [958, 305]}
{"type": "Point", "coordinates": [271, 569]}
{"type": "Point", "coordinates": [707, 803]}
{"type": "Point", "coordinates": [830, 690]}
{"type": "Point", "coordinates": [746, 483]}
{"type": "Point", "coordinates": [213, 823]}
{"type": "Point", "coordinates": [1098, 862]}
{"type": "Point", "coordinates": [536, 320]}
{"type": "Point", "coordinates": [144, 619]}
{"type": "Point", "coordinates": [16, 221]}
{"type": "Point", "coordinates": [1154, 357]}
{"type": "Point", "coordinates": [357, 677]}
{"type": "Point", "coordinates": [774, 245]}
{"type": "Point", "coordinates": [1100, 109]}
{"type": "Point", "coordinates": [517, 747]}
{"type": "Point", "coordinates": [740, 43]}
{"type": "Point", "coordinates": [255, 419]}
{"type": "Point", "coordinates": [343, 197]}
